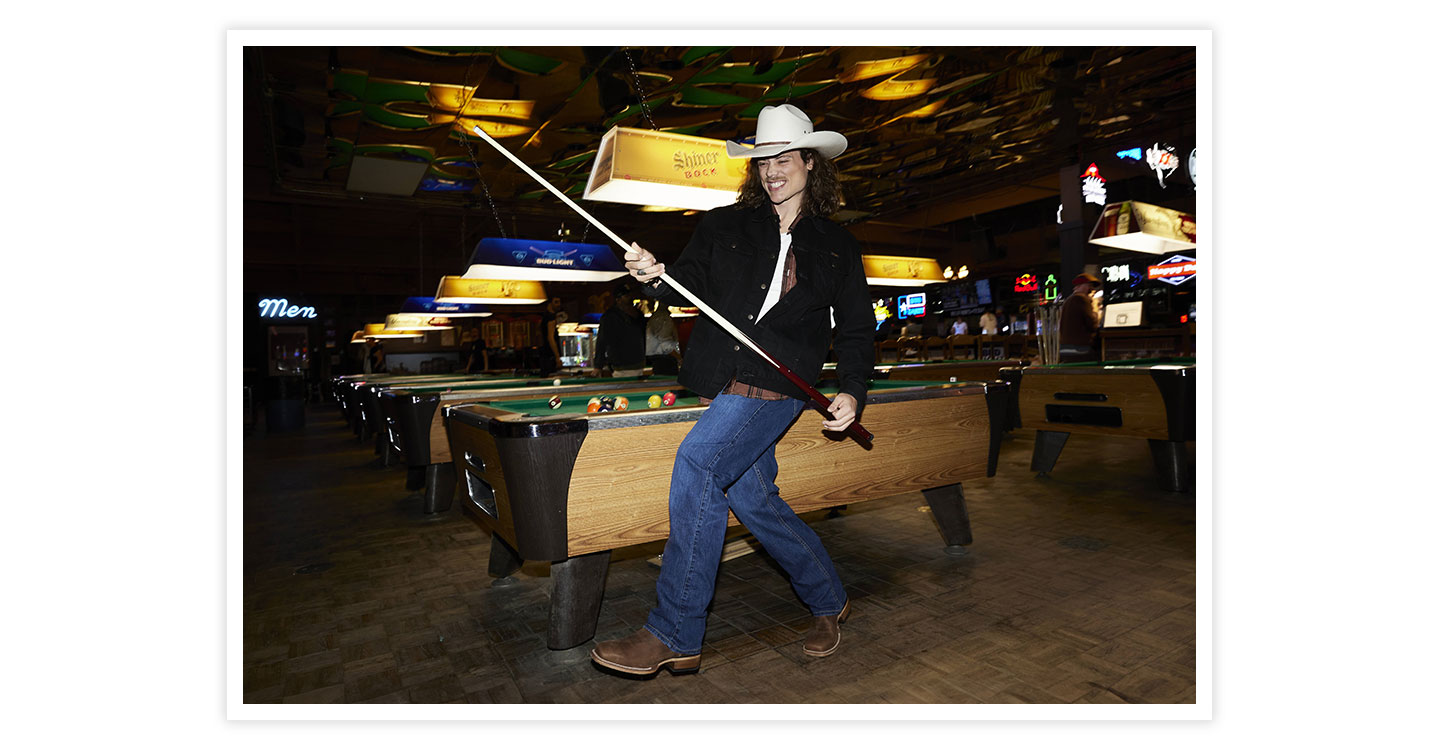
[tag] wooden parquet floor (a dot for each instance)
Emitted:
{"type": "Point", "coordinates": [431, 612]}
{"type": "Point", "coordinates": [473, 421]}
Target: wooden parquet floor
{"type": "Point", "coordinates": [1079, 588]}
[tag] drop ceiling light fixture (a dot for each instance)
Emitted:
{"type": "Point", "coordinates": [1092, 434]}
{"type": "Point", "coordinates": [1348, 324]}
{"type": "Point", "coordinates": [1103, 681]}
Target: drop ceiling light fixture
{"type": "Point", "coordinates": [1144, 228]}
{"type": "Point", "coordinates": [655, 168]}
{"type": "Point", "coordinates": [459, 289]}
{"type": "Point", "coordinates": [895, 270]}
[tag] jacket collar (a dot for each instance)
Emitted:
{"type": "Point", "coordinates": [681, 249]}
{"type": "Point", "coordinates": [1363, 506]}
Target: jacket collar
{"type": "Point", "coordinates": [764, 213]}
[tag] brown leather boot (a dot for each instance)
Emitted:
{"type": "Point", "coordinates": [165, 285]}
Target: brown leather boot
{"type": "Point", "coordinates": [824, 635]}
{"type": "Point", "coordinates": [642, 653]}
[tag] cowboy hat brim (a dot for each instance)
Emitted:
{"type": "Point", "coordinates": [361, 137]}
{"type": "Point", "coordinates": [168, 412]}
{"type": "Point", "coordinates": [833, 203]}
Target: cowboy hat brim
{"type": "Point", "coordinates": [829, 143]}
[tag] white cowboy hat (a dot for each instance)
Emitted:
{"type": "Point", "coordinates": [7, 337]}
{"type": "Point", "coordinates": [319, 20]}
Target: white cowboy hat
{"type": "Point", "coordinates": [786, 128]}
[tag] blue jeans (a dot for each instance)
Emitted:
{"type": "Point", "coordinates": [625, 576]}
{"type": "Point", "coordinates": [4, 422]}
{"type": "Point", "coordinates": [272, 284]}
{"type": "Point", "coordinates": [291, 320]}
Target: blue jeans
{"type": "Point", "coordinates": [727, 463]}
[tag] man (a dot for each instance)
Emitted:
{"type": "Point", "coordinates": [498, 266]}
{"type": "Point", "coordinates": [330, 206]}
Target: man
{"type": "Point", "coordinates": [550, 320]}
{"type": "Point", "coordinates": [620, 342]}
{"type": "Point", "coordinates": [958, 328]}
{"type": "Point", "coordinates": [775, 267]}
{"type": "Point", "coordinates": [1079, 324]}
{"type": "Point", "coordinates": [989, 326]}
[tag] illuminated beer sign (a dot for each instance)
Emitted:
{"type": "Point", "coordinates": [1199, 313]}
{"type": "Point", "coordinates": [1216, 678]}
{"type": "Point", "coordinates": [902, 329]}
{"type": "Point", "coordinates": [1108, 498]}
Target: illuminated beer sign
{"type": "Point", "coordinates": [281, 308]}
{"type": "Point", "coordinates": [1117, 273]}
{"type": "Point", "coordinates": [1161, 158]}
{"type": "Point", "coordinates": [1027, 282]}
{"type": "Point", "coordinates": [1175, 270]}
{"type": "Point", "coordinates": [1092, 185]}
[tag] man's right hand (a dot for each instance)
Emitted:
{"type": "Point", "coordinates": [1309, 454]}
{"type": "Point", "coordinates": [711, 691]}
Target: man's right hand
{"type": "Point", "coordinates": [642, 264]}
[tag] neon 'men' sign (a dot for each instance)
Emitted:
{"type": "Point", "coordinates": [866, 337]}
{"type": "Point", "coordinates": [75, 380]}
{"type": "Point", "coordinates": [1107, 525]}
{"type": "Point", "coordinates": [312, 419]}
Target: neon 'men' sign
{"type": "Point", "coordinates": [281, 308]}
{"type": "Point", "coordinates": [1175, 270]}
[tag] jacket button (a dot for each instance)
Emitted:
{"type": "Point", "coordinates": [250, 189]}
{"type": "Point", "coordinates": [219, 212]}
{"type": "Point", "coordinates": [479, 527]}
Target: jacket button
{"type": "Point", "coordinates": [749, 317]}
{"type": "Point", "coordinates": [737, 348]}
{"type": "Point", "coordinates": [762, 286]}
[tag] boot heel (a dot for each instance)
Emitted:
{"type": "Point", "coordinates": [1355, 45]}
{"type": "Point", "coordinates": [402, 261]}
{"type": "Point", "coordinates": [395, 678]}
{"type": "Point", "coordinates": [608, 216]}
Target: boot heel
{"type": "Point", "coordinates": [845, 613]}
{"type": "Point", "coordinates": [687, 665]}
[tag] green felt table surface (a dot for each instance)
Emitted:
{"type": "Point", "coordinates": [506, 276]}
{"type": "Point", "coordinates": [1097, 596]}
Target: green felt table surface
{"type": "Point", "coordinates": [1178, 361]}
{"type": "Point", "coordinates": [639, 397]}
{"type": "Point", "coordinates": [531, 382]}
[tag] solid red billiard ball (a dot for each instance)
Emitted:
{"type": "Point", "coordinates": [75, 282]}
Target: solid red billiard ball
{"type": "Point", "coordinates": [668, 399]}
{"type": "Point", "coordinates": [554, 402]}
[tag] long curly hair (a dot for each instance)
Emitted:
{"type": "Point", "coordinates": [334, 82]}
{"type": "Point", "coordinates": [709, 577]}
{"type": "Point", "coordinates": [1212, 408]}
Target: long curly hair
{"type": "Point", "coordinates": [822, 186]}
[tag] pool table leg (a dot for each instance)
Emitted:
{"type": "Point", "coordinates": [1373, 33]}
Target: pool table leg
{"type": "Point", "coordinates": [947, 505]}
{"type": "Point", "coordinates": [1048, 445]}
{"type": "Point", "coordinates": [439, 487]}
{"type": "Point", "coordinates": [1171, 463]}
{"type": "Point", "coordinates": [577, 586]}
{"type": "Point", "coordinates": [504, 560]}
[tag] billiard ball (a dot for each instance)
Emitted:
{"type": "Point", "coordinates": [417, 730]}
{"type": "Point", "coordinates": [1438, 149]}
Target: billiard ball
{"type": "Point", "coordinates": [622, 404]}
{"type": "Point", "coordinates": [593, 406]}
{"type": "Point", "coordinates": [654, 401]}
{"type": "Point", "coordinates": [557, 381]}
{"type": "Point", "coordinates": [607, 403]}
{"type": "Point", "coordinates": [952, 378]}
{"type": "Point", "coordinates": [668, 399]}
{"type": "Point", "coordinates": [554, 402]}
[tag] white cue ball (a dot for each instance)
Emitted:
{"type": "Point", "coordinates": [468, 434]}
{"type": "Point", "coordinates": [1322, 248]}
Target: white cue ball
{"type": "Point", "coordinates": [557, 381]}
{"type": "Point", "coordinates": [952, 380]}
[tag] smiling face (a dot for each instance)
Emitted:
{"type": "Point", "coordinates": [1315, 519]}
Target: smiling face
{"type": "Point", "coordinates": [784, 177]}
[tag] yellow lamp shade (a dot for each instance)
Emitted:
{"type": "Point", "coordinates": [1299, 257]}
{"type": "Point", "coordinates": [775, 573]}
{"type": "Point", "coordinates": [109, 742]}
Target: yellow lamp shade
{"type": "Point", "coordinates": [655, 168]}
{"type": "Point", "coordinates": [459, 289]}
{"type": "Point", "coordinates": [379, 331]}
{"type": "Point", "coordinates": [414, 322]}
{"type": "Point", "coordinates": [1144, 228]}
{"type": "Point", "coordinates": [895, 270]}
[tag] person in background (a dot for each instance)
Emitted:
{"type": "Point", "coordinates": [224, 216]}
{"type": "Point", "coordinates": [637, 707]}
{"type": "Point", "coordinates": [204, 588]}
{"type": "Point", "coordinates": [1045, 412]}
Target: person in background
{"type": "Point", "coordinates": [662, 343]}
{"type": "Point", "coordinates": [479, 359]}
{"type": "Point", "coordinates": [550, 319]}
{"type": "Point", "coordinates": [959, 328]}
{"type": "Point", "coordinates": [1079, 325]}
{"type": "Point", "coordinates": [620, 341]}
{"type": "Point", "coordinates": [988, 324]}
{"type": "Point", "coordinates": [913, 328]}
{"type": "Point", "coordinates": [376, 361]}
{"type": "Point", "coordinates": [1002, 321]}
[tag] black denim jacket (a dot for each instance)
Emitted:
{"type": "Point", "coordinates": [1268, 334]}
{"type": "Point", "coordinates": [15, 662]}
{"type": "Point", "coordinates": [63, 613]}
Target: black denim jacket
{"type": "Point", "coordinates": [729, 263]}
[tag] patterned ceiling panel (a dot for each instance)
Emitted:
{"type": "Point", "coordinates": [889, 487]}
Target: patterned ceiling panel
{"type": "Point", "coordinates": [921, 121]}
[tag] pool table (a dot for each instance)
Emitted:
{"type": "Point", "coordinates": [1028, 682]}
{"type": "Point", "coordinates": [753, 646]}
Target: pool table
{"type": "Point", "coordinates": [344, 389]}
{"type": "Point", "coordinates": [367, 397]}
{"type": "Point", "coordinates": [952, 370]}
{"type": "Point", "coordinates": [569, 487]}
{"type": "Point", "coordinates": [415, 428]}
{"type": "Point", "coordinates": [1151, 399]}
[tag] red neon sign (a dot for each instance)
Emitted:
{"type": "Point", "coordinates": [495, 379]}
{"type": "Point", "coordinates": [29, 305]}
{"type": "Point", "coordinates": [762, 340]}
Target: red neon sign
{"type": "Point", "coordinates": [1027, 283]}
{"type": "Point", "coordinates": [1172, 270]}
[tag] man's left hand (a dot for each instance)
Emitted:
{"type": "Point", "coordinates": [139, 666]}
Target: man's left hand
{"type": "Point", "coordinates": [842, 409]}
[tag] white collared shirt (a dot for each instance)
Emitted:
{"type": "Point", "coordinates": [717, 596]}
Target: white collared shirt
{"type": "Point", "coordinates": [777, 279]}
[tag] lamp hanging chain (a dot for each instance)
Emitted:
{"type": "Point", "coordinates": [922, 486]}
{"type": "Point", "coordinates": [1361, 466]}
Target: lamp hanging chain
{"type": "Point", "coordinates": [639, 90]}
{"type": "Point", "coordinates": [794, 73]}
{"type": "Point", "coordinates": [465, 141]}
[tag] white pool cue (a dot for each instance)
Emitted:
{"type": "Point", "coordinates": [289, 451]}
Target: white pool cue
{"type": "Point", "coordinates": [665, 277]}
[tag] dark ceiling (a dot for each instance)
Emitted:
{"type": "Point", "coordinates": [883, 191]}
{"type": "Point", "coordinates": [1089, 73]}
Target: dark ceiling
{"type": "Point", "coordinates": [940, 137]}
